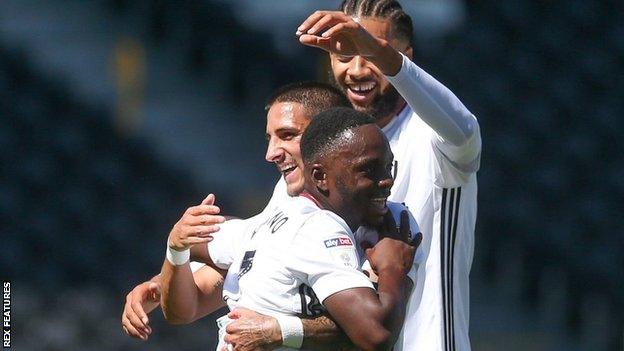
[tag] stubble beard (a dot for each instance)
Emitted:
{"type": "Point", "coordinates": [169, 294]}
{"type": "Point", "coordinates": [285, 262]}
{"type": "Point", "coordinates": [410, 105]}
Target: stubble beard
{"type": "Point", "coordinates": [382, 106]}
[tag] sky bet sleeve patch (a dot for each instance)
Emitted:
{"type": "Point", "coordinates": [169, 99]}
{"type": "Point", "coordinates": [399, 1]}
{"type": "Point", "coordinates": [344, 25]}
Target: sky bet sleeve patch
{"type": "Point", "coordinates": [342, 251]}
{"type": "Point", "coordinates": [338, 241]}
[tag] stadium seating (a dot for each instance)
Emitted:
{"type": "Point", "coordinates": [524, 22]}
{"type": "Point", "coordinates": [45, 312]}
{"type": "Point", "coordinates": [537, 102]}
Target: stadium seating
{"type": "Point", "coordinates": [81, 205]}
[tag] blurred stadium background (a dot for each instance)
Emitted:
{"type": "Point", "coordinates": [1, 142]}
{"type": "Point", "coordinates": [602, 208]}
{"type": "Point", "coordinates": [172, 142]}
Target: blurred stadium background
{"type": "Point", "coordinates": [118, 114]}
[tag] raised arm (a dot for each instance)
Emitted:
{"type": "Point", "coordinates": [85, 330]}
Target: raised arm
{"type": "Point", "coordinates": [435, 104]}
{"type": "Point", "coordinates": [183, 298]}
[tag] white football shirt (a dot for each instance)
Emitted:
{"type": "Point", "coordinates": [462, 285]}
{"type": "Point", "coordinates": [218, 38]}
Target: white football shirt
{"type": "Point", "coordinates": [437, 181]}
{"type": "Point", "coordinates": [289, 263]}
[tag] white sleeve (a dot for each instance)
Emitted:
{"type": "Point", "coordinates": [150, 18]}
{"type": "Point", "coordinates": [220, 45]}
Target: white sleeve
{"type": "Point", "coordinates": [457, 129]}
{"type": "Point", "coordinates": [324, 257]}
{"type": "Point", "coordinates": [226, 241]}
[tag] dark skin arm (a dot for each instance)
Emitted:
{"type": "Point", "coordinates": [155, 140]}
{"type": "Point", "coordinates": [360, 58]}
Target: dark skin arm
{"type": "Point", "coordinates": [321, 333]}
{"type": "Point", "coordinates": [373, 320]}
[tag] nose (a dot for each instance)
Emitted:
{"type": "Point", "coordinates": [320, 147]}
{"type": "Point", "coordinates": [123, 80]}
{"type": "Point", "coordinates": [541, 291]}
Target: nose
{"type": "Point", "coordinates": [358, 68]}
{"type": "Point", "coordinates": [386, 183]}
{"type": "Point", "coordinates": [275, 152]}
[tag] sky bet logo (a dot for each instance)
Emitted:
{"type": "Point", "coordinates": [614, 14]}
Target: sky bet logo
{"type": "Point", "coordinates": [338, 242]}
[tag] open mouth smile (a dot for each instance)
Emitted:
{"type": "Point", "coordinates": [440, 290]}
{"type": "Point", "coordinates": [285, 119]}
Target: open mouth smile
{"type": "Point", "coordinates": [361, 92]}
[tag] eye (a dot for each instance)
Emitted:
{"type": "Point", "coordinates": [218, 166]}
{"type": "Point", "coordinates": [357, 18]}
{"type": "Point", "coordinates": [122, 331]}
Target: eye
{"type": "Point", "coordinates": [344, 59]}
{"type": "Point", "coordinates": [288, 136]}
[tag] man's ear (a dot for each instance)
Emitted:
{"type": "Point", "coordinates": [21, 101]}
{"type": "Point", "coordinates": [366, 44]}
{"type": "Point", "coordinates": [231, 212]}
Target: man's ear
{"type": "Point", "coordinates": [409, 52]}
{"type": "Point", "coordinates": [319, 176]}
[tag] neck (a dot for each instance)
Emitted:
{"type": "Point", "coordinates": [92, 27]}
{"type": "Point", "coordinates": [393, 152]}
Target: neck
{"type": "Point", "coordinates": [386, 119]}
{"type": "Point", "coordinates": [323, 203]}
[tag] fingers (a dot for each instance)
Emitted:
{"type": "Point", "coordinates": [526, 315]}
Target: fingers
{"type": "Point", "coordinates": [417, 240]}
{"type": "Point", "coordinates": [130, 330]}
{"type": "Point", "coordinates": [194, 231]}
{"type": "Point", "coordinates": [388, 227]}
{"type": "Point", "coordinates": [138, 320]}
{"type": "Point", "coordinates": [204, 220]}
{"type": "Point", "coordinates": [404, 227]}
{"type": "Point", "coordinates": [137, 308]}
{"type": "Point", "coordinates": [324, 22]}
{"type": "Point", "coordinates": [309, 22]}
{"type": "Point", "coordinates": [232, 328]}
{"type": "Point", "coordinates": [314, 41]}
{"type": "Point", "coordinates": [209, 200]}
{"type": "Point", "coordinates": [132, 325]}
{"type": "Point", "coordinates": [190, 241]}
{"type": "Point", "coordinates": [203, 209]}
{"type": "Point", "coordinates": [340, 27]}
{"type": "Point", "coordinates": [234, 314]}
{"type": "Point", "coordinates": [203, 231]}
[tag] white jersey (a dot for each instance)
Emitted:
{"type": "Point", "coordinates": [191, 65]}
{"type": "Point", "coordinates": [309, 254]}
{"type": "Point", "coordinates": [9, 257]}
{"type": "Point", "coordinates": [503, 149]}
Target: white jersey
{"type": "Point", "coordinates": [291, 262]}
{"type": "Point", "coordinates": [437, 182]}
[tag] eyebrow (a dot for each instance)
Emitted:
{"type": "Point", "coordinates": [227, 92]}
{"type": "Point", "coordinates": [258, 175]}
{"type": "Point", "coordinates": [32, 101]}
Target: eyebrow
{"type": "Point", "coordinates": [283, 129]}
{"type": "Point", "coordinates": [365, 160]}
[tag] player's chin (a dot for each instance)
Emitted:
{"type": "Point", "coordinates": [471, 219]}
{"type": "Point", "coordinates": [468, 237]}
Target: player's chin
{"type": "Point", "coordinates": [294, 182]}
{"type": "Point", "coordinates": [375, 216]}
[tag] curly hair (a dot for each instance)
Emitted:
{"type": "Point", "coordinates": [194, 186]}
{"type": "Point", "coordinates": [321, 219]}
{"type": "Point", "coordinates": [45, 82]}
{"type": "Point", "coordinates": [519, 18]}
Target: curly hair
{"type": "Point", "coordinates": [386, 9]}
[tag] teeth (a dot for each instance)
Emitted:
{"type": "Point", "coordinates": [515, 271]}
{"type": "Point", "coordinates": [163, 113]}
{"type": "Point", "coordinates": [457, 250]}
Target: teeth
{"type": "Point", "coordinates": [287, 168]}
{"type": "Point", "coordinates": [362, 86]}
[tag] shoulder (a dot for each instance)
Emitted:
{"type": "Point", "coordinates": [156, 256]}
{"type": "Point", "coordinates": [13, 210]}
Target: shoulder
{"type": "Point", "coordinates": [323, 229]}
{"type": "Point", "coordinates": [323, 221]}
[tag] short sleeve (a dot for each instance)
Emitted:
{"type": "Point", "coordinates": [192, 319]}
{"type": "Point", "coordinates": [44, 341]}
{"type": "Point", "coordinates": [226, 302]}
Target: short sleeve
{"type": "Point", "coordinates": [323, 255]}
{"type": "Point", "coordinates": [226, 241]}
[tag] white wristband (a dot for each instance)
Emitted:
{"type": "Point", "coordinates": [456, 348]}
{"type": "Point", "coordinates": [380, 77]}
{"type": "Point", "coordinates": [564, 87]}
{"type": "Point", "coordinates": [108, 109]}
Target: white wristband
{"type": "Point", "coordinates": [178, 258]}
{"type": "Point", "coordinates": [292, 331]}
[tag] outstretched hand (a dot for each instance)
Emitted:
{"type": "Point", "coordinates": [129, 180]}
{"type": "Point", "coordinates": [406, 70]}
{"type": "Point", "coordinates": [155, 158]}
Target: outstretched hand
{"type": "Point", "coordinates": [197, 225]}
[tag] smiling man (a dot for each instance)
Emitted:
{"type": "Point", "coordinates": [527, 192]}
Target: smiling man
{"type": "Point", "coordinates": [437, 146]}
{"type": "Point", "coordinates": [290, 110]}
{"type": "Point", "coordinates": [309, 242]}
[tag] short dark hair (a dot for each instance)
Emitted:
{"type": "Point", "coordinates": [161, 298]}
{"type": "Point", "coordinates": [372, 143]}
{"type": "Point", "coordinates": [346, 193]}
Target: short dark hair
{"type": "Point", "coordinates": [386, 9]}
{"type": "Point", "coordinates": [315, 97]}
{"type": "Point", "coordinates": [326, 127]}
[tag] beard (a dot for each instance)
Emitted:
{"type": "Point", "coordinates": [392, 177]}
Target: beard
{"type": "Point", "coordinates": [382, 105]}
